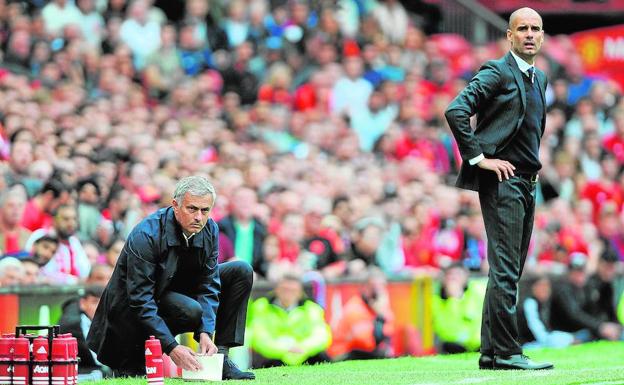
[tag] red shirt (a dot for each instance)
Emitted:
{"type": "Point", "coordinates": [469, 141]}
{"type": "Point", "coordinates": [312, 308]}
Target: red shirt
{"type": "Point", "coordinates": [34, 218]}
{"type": "Point", "coordinates": [615, 144]}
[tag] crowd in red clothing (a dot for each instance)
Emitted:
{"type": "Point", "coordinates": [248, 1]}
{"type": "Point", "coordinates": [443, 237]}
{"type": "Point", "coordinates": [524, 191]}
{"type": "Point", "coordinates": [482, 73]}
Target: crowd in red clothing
{"type": "Point", "coordinates": [321, 128]}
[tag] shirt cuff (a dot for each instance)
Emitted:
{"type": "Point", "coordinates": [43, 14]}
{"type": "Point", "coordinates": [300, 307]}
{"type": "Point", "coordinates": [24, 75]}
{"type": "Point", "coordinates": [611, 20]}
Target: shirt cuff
{"type": "Point", "coordinates": [476, 159]}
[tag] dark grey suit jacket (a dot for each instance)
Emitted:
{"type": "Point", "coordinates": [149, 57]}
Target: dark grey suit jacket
{"type": "Point", "coordinates": [497, 95]}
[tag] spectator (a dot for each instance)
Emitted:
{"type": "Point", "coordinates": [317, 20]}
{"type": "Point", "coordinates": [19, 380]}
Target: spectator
{"type": "Point", "coordinates": [457, 309]}
{"type": "Point", "coordinates": [89, 216]}
{"type": "Point", "coordinates": [365, 242]}
{"type": "Point", "coordinates": [393, 20]}
{"type": "Point", "coordinates": [91, 23]}
{"type": "Point", "coordinates": [69, 264]}
{"type": "Point", "coordinates": [615, 141]}
{"type": "Point", "coordinates": [366, 326]}
{"type": "Point", "coordinates": [139, 33]}
{"type": "Point", "coordinates": [235, 25]}
{"type": "Point", "coordinates": [373, 120]}
{"type": "Point", "coordinates": [351, 92]}
{"type": "Point", "coordinates": [99, 275]}
{"type": "Point", "coordinates": [76, 319]}
{"type": "Point", "coordinates": [39, 209]}
{"type": "Point", "coordinates": [58, 14]}
{"type": "Point", "coordinates": [13, 235]}
{"type": "Point", "coordinates": [287, 328]}
{"type": "Point", "coordinates": [31, 272]}
{"type": "Point", "coordinates": [600, 289]}
{"type": "Point", "coordinates": [11, 272]}
{"type": "Point", "coordinates": [20, 160]}
{"type": "Point", "coordinates": [534, 319]}
{"type": "Point", "coordinates": [43, 249]}
{"type": "Point", "coordinates": [245, 231]}
{"type": "Point", "coordinates": [571, 304]}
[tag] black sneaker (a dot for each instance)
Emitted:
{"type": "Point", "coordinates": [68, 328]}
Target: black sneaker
{"type": "Point", "coordinates": [232, 372]}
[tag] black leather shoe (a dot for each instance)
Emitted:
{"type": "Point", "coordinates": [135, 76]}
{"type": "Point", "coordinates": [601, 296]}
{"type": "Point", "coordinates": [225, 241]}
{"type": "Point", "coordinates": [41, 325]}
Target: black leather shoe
{"type": "Point", "coordinates": [486, 361]}
{"type": "Point", "coordinates": [232, 372]}
{"type": "Point", "coordinates": [519, 362]}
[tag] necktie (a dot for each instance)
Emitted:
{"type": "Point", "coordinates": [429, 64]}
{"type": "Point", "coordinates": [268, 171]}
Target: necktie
{"type": "Point", "coordinates": [531, 72]}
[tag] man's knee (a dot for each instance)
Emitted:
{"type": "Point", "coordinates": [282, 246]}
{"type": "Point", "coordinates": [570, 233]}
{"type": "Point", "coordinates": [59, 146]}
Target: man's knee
{"type": "Point", "coordinates": [242, 271]}
{"type": "Point", "coordinates": [193, 312]}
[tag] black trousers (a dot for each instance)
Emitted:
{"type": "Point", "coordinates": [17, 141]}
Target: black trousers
{"type": "Point", "coordinates": [508, 209]}
{"type": "Point", "coordinates": [183, 314]}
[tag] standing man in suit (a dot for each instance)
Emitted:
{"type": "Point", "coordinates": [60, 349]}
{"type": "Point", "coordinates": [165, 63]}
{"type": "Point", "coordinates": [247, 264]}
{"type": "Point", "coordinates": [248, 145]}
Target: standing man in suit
{"type": "Point", "coordinates": [167, 281]}
{"type": "Point", "coordinates": [501, 162]}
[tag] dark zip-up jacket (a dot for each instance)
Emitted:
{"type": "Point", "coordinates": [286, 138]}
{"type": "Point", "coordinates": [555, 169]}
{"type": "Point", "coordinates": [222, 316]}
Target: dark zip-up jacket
{"type": "Point", "coordinates": [128, 311]}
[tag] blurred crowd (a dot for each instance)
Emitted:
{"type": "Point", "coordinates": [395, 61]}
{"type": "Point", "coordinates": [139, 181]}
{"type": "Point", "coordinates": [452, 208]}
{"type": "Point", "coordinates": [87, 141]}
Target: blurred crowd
{"type": "Point", "coordinates": [319, 122]}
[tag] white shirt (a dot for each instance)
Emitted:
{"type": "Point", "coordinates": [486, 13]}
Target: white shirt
{"type": "Point", "coordinates": [523, 66]}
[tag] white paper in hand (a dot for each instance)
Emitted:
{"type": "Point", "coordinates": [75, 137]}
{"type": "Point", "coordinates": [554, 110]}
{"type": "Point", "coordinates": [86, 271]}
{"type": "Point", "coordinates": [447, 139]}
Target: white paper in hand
{"type": "Point", "coordinates": [212, 369]}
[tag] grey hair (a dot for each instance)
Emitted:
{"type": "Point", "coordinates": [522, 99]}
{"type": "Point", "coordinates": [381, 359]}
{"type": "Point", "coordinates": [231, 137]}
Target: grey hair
{"type": "Point", "coordinates": [195, 185]}
{"type": "Point", "coordinates": [10, 263]}
{"type": "Point", "coordinates": [17, 190]}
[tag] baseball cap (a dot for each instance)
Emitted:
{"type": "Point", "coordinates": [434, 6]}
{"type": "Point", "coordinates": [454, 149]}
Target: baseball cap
{"type": "Point", "coordinates": [609, 256]}
{"type": "Point", "coordinates": [577, 261]}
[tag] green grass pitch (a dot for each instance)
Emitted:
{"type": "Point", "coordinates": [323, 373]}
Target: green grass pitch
{"type": "Point", "coordinates": [600, 363]}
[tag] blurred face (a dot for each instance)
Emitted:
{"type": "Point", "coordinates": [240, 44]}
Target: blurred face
{"type": "Point", "coordinates": [88, 305]}
{"type": "Point", "coordinates": [66, 222]}
{"type": "Point", "coordinates": [455, 276]}
{"type": "Point", "coordinates": [54, 203]}
{"type": "Point", "coordinates": [244, 202]}
{"type": "Point", "coordinates": [100, 275]}
{"type": "Point", "coordinates": [113, 252]}
{"type": "Point", "coordinates": [44, 250]}
{"type": "Point", "coordinates": [293, 229]}
{"type": "Point", "coordinates": [12, 276]}
{"type": "Point", "coordinates": [578, 277]}
{"type": "Point", "coordinates": [89, 194]}
{"type": "Point", "coordinates": [193, 212]}
{"type": "Point", "coordinates": [12, 210]}
{"type": "Point", "coordinates": [353, 67]}
{"type": "Point", "coordinates": [525, 34]}
{"type": "Point", "coordinates": [271, 248]}
{"type": "Point", "coordinates": [607, 271]}
{"type": "Point", "coordinates": [21, 157]}
{"type": "Point", "coordinates": [31, 273]}
{"type": "Point", "coordinates": [289, 292]}
{"type": "Point", "coordinates": [370, 239]}
{"type": "Point", "coordinates": [541, 290]}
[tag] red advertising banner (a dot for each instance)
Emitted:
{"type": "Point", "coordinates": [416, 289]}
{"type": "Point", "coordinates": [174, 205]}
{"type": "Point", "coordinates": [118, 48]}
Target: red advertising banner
{"type": "Point", "coordinates": [557, 7]}
{"type": "Point", "coordinates": [602, 50]}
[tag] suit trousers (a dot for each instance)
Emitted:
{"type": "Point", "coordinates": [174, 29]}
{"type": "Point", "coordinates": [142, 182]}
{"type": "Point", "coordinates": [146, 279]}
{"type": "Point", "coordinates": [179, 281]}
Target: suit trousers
{"type": "Point", "coordinates": [183, 314]}
{"type": "Point", "coordinates": [508, 209]}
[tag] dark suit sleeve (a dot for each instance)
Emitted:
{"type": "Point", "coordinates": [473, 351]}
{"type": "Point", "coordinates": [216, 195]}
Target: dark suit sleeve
{"type": "Point", "coordinates": [481, 88]}
{"type": "Point", "coordinates": [210, 286]}
{"type": "Point", "coordinates": [141, 288]}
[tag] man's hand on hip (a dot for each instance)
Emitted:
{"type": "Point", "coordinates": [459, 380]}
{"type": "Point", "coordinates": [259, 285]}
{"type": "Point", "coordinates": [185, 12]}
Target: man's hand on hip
{"type": "Point", "coordinates": [184, 358]}
{"type": "Point", "coordinates": [502, 168]}
{"type": "Point", "coordinates": [206, 346]}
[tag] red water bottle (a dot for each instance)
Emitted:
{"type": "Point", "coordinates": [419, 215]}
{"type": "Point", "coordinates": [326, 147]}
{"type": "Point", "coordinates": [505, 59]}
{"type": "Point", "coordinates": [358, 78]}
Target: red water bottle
{"type": "Point", "coordinates": [7, 345]}
{"type": "Point", "coordinates": [74, 356]}
{"type": "Point", "coordinates": [61, 374]}
{"type": "Point", "coordinates": [21, 358]}
{"type": "Point", "coordinates": [40, 365]}
{"type": "Point", "coordinates": [72, 353]}
{"type": "Point", "coordinates": [154, 368]}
